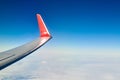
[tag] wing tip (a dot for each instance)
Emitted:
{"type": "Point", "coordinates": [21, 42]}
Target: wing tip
{"type": "Point", "coordinates": [43, 29]}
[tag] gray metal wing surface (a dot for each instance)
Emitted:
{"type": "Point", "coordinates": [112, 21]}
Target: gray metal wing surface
{"type": "Point", "coordinates": [9, 57]}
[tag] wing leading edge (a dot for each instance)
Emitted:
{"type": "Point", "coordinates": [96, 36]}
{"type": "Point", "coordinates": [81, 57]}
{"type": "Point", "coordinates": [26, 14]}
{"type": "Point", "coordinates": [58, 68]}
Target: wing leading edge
{"type": "Point", "coordinates": [9, 57]}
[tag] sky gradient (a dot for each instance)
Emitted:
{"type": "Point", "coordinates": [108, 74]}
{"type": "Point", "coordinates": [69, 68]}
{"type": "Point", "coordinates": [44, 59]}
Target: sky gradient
{"type": "Point", "coordinates": [72, 22]}
{"type": "Point", "coordinates": [85, 43]}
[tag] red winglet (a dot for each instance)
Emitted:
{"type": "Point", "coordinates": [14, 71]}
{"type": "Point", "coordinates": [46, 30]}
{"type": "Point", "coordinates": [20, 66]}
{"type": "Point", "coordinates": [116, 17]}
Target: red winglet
{"type": "Point", "coordinates": [43, 29]}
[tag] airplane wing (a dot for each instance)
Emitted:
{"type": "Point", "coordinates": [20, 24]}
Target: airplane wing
{"type": "Point", "coordinates": [9, 57]}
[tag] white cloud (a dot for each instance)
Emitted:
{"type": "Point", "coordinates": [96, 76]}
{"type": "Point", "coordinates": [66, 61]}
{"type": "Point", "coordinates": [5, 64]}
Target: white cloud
{"type": "Point", "coordinates": [63, 67]}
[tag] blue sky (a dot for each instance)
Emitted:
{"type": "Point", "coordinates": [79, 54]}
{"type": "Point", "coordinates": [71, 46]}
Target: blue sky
{"type": "Point", "coordinates": [71, 22]}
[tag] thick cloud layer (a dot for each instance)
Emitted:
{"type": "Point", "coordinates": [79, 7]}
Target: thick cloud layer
{"type": "Point", "coordinates": [51, 66]}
